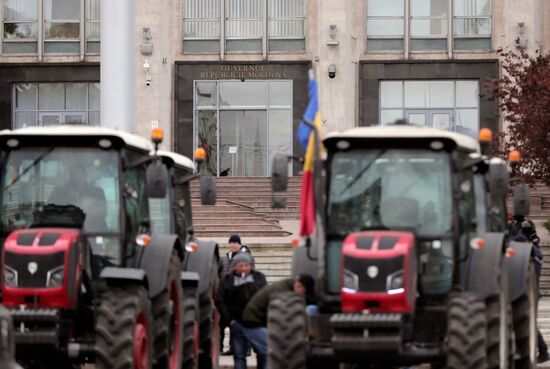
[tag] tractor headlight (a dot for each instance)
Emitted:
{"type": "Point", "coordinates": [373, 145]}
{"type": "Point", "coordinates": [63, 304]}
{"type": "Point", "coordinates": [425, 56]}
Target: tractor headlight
{"type": "Point", "coordinates": [395, 282]}
{"type": "Point", "coordinates": [351, 281]}
{"type": "Point", "coordinates": [10, 276]}
{"type": "Point", "coordinates": [54, 278]}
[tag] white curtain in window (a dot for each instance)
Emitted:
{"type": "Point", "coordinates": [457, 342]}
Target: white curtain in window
{"type": "Point", "coordinates": [287, 18]}
{"type": "Point", "coordinates": [201, 19]}
{"type": "Point", "coordinates": [92, 18]}
{"type": "Point", "coordinates": [61, 10]}
{"type": "Point", "coordinates": [20, 10]}
{"type": "Point", "coordinates": [244, 18]}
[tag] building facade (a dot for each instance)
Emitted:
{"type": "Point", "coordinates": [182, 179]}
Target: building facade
{"type": "Point", "coordinates": [231, 75]}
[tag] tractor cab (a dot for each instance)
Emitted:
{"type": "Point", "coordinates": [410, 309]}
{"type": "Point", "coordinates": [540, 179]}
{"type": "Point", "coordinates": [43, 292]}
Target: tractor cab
{"type": "Point", "coordinates": [408, 180]}
{"type": "Point", "coordinates": [397, 253]}
{"type": "Point", "coordinates": [61, 186]}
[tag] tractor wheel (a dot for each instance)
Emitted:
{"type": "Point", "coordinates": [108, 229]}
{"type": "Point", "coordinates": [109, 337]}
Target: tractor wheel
{"type": "Point", "coordinates": [190, 329]}
{"type": "Point", "coordinates": [499, 333]}
{"type": "Point", "coordinates": [209, 323]}
{"type": "Point", "coordinates": [167, 315]}
{"type": "Point", "coordinates": [124, 329]}
{"type": "Point", "coordinates": [466, 332]}
{"type": "Point", "coordinates": [287, 332]}
{"type": "Point", "coordinates": [524, 311]}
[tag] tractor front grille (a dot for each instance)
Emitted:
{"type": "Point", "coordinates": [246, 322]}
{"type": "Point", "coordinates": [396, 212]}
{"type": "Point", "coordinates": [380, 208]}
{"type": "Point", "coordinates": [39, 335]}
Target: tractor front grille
{"type": "Point", "coordinates": [381, 269]}
{"type": "Point", "coordinates": [32, 269]}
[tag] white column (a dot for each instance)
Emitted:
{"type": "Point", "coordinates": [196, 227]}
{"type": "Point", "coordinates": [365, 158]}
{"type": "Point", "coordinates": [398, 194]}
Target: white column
{"type": "Point", "coordinates": [117, 64]}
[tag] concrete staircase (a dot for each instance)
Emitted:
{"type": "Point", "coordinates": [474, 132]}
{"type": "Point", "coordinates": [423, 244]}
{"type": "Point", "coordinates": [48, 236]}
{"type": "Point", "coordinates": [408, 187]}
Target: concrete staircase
{"type": "Point", "coordinates": [244, 206]}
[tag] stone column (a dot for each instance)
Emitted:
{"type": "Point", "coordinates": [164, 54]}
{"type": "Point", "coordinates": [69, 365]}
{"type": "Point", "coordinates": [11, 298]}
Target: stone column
{"type": "Point", "coordinates": [117, 60]}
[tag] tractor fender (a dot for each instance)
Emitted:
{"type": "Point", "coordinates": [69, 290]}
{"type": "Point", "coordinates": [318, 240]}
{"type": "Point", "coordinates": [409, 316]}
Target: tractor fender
{"type": "Point", "coordinates": [120, 276]}
{"type": "Point", "coordinates": [189, 279]}
{"type": "Point", "coordinates": [155, 260]}
{"type": "Point", "coordinates": [517, 268]}
{"type": "Point", "coordinates": [201, 262]}
{"type": "Point", "coordinates": [302, 264]}
{"type": "Point", "coordinates": [483, 266]}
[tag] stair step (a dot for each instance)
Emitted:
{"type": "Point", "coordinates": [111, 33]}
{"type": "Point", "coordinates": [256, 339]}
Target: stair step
{"type": "Point", "coordinates": [237, 221]}
{"type": "Point", "coordinates": [242, 233]}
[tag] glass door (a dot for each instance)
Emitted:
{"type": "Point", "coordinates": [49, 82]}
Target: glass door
{"type": "Point", "coordinates": [243, 143]}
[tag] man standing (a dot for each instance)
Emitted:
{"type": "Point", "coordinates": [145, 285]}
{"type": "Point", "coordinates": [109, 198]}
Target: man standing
{"type": "Point", "coordinates": [235, 290]}
{"type": "Point", "coordinates": [235, 247]}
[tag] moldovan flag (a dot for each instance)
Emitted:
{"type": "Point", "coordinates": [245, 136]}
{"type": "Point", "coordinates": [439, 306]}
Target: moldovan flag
{"type": "Point", "coordinates": [306, 137]}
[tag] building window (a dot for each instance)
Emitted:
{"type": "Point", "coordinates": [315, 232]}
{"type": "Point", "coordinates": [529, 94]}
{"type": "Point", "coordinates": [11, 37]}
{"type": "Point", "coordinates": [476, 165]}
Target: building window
{"type": "Point", "coordinates": [40, 104]}
{"type": "Point", "coordinates": [242, 125]}
{"type": "Point", "coordinates": [472, 24]}
{"type": "Point", "coordinates": [444, 104]}
{"type": "Point", "coordinates": [62, 29]}
{"type": "Point", "coordinates": [428, 25]}
{"type": "Point", "coordinates": [214, 26]}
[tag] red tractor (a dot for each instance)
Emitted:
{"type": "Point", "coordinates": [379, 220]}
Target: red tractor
{"type": "Point", "coordinates": [85, 274]}
{"type": "Point", "coordinates": [404, 275]}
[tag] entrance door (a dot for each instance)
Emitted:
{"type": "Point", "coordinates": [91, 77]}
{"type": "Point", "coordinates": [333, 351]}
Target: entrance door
{"type": "Point", "coordinates": [437, 118]}
{"type": "Point", "coordinates": [243, 143]}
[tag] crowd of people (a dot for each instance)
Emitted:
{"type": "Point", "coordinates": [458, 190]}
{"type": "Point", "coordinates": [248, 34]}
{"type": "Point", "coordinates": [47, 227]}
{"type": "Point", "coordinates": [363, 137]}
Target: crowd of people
{"type": "Point", "coordinates": [243, 299]}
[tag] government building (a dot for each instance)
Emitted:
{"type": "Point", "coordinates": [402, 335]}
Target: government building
{"type": "Point", "coordinates": [232, 75]}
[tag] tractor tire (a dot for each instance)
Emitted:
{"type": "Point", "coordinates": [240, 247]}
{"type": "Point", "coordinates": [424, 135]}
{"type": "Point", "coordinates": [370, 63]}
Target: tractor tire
{"type": "Point", "coordinates": [190, 328]}
{"type": "Point", "coordinates": [524, 311]}
{"type": "Point", "coordinates": [209, 323]}
{"type": "Point", "coordinates": [124, 329]}
{"type": "Point", "coordinates": [167, 319]}
{"type": "Point", "coordinates": [499, 329]}
{"type": "Point", "coordinates": [287, 332]}
{"type": "Point", "coordinates": [466, 332]}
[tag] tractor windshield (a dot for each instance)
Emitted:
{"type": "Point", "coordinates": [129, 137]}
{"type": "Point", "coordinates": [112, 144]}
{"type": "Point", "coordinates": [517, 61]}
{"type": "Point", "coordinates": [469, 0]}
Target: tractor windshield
{"type": "Point", "coordinates": [390, 189]}
{"type": "Point", "coordinates": [60, 186]}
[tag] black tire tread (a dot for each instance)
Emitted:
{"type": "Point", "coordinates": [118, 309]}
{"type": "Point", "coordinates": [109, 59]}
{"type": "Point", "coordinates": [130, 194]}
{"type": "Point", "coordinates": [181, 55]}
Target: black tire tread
{"type": "Point", "coordinates": [208, 338]}
{"type": "Point", "coordinates": [287, 332]}
{"type": "Point", "coordinates": [162, 313]}
{"type": "Point", "coordinates": [466, 332]}
{"type": "Point", "coordinates": [190, 314]}
{"type": "Point", "coordinates": [116, 319]}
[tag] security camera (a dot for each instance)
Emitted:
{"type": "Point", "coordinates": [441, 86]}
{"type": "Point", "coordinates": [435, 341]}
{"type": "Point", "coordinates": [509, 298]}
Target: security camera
{"type": "Point", "coordinates": [331, 71]}
{"type": "Point", "coordinates": [148, 80]}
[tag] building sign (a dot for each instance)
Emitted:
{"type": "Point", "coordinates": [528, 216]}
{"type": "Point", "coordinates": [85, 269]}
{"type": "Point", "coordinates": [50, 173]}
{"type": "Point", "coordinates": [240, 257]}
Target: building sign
{"type": "Point", "coordinates": [242, 71]}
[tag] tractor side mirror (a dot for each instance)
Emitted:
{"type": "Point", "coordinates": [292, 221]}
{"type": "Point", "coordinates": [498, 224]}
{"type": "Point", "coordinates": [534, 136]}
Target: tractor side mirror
{"type": "Point", "coordinates": [157, 180]}
{"type": "Point", "coordinates": [208, 190]}
{"type": "Point", "coordinates": [498, 179]}
{"type": "Point", "coordinates": [522, 200]}
{"type": "Point", "coordinates": [279, 173]}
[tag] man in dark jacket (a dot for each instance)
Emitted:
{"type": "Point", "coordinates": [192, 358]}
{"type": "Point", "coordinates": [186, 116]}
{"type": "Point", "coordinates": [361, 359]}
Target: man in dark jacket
{"type": "Point", "coordinates": [524, 230]}
{"type": "Point", "coordinates": [235, 247]}
{"type": "Point", "coordinates": [255, 313]}
{"type": "Point", "coordinates": [235, 290]}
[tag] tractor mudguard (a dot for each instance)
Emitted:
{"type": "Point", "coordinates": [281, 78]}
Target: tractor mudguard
{"type": "Point", "coordinates": [189, 279]}
{"type": "Point", "coordinates": [302, 264]}
{"type": "Point", "coordinates": [156, 260]}
{"type": "Point", "coordinates": [517, 268]}
{"type": "Point", "coordinates": [116, 275]}
{"type": "Point", "coordinates": [481, 272]}
{"type": "Point", "coordinates": [200, 261]}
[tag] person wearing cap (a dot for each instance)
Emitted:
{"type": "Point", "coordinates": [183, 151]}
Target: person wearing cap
{"type": "Point", "coordinates": [235, 247]}
{"type": "Point", "coordinates": [235, 291]}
